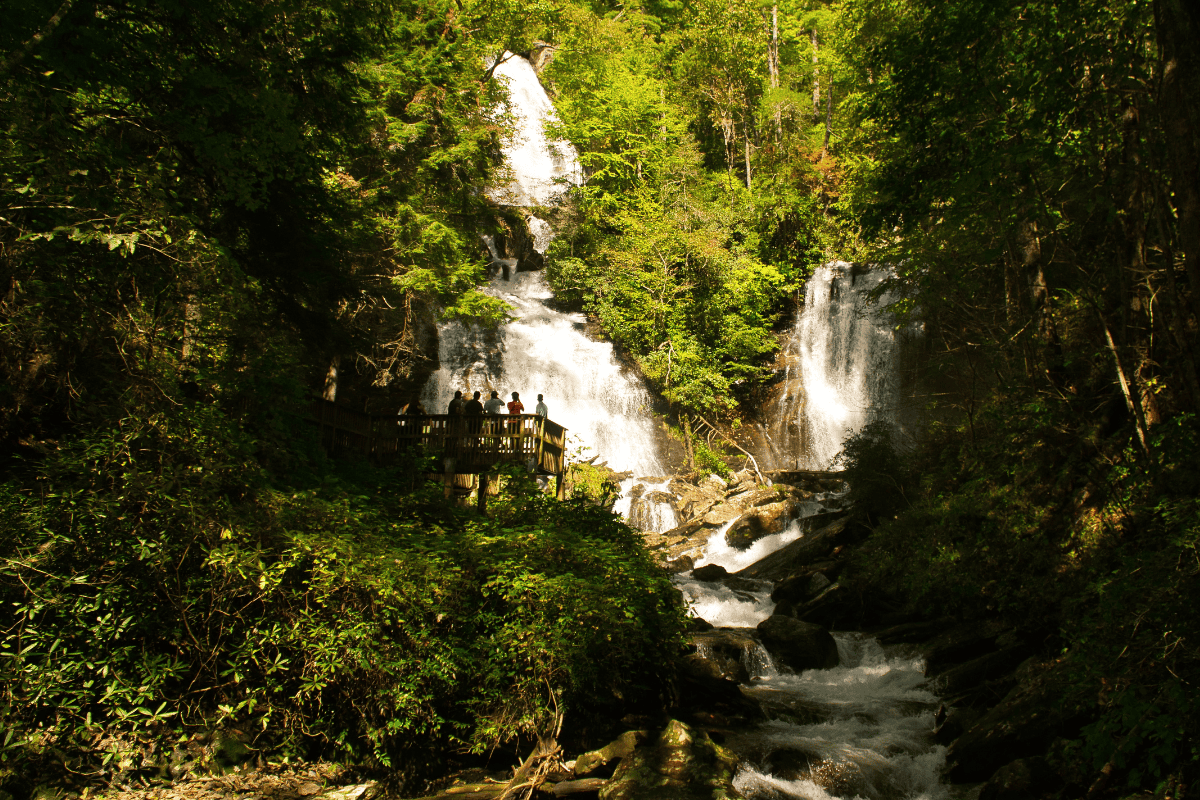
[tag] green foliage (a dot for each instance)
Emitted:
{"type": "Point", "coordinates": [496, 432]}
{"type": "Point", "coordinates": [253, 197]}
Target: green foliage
{"type": "Point", "coordinates": [1098, 555]}
{"type": "Point", "coordinates": [874, 467]}
{"type": "Point", "coordinates": [160, 580]}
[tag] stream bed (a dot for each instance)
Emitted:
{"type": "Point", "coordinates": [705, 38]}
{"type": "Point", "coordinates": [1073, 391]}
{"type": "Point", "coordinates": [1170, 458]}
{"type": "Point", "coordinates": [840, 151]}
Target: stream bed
{"type": "Point", "coordinates": [862, 729]}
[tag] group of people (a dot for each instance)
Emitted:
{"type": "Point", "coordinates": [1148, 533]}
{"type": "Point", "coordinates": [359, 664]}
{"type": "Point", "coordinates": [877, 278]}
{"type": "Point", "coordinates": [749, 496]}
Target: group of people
{"type": "Point", "coordinates": [473, 407]}
{"type": "Point", "coordinates": [494, 405]}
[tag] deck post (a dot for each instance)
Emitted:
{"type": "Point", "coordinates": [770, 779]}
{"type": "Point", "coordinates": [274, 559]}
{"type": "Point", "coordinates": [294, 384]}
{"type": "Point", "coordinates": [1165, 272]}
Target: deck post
{"type": "Point", "coordinates": [560, 487]}
{"type": "Point", "coordinates": [448, 462]}
{"type": "Point", "coordinates": [481, 489]}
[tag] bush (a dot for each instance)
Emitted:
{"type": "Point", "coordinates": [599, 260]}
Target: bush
{"type": "Point", "coordinates": [875, 470]}
{"type": "Point", "coordinates": [161, 583]}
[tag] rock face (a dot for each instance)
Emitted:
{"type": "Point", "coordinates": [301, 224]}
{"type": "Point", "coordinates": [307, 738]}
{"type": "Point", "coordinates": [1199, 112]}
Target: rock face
{"type": "Point", "coordinates": [798, 645]}
{"type": "Point", "coordinates": [682, 764]}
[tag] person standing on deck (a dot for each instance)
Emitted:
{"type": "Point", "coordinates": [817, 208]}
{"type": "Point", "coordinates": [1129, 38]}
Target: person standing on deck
{"type": "Point", "coordinates": [473, 408]}
{"type": "Point", "coordinates": [494, 405]}
{"type": "Point", "coordinates": [516, 406]}
{"type": "Point", "coordinates": [541, 409]}
{"type": "Point", "coordinates": [457, 405]}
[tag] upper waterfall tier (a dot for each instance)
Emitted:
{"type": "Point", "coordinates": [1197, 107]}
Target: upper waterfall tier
{"type": "Point", "coordinates": [542, 169]}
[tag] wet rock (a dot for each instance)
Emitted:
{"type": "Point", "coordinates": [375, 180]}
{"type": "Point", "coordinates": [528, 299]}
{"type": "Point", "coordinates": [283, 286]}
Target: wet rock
{"type": "Point", "coordinates": [698, 624]}
{"type": "Point", "coordinates": [710, 700]}
{"type": "Point", "coordinates": [678, 565]}
{"type": "Point", "coordinates": [709, 573]}
{"type": "Point", "coordinates": [761, 521]}
{"type": "Point", "coordinates": [837, 778]}
{"type": "Point", "coordinates": [728, 650]}
{"type": "Point", "coordinates": [683, 764]}
{"type": "Point", "coordinates": [618, 748]}
{"type": "Point", "coordinates": [793, 557]}
{"type": "Point", "coordinates": [796, 644]}
{"type": "Point", "coordinates": [954, 723]}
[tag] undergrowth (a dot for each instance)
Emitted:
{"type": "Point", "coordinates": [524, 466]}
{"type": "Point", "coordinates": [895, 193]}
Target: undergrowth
{"type": "Point", "coordinates": [158, 581]}
{"type": "Point", "coordinates": [1090, 547]}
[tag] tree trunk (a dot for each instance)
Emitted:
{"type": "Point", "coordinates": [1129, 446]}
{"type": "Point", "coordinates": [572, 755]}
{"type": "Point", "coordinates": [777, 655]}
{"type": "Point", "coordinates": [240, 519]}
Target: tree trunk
{"type": "Point", "coordinates": [331, 380]}
{"type": "Point", "coordinates": [746, 142]}
{"type": "Point", "coordinates": [828, 116]}
{"type": "Point", "coordinates": [773, 69]}
{"type": "Point", "coordinates": [1177, 25]}
{"type": "Point", "coordinates": [816, 76]}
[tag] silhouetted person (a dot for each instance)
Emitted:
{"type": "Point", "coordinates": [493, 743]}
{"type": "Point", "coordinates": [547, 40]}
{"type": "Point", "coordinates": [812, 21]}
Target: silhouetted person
{"type": "Point", "coordinates": [473, 408]}
{"type": "Point", "coordinates": [494, 405]}
{"type": "Point", "coordinates": [456, 405]}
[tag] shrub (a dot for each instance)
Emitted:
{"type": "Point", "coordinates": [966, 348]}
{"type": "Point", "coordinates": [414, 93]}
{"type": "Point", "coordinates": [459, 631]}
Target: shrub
{"type": "Point", "coordinates": [160, 582]}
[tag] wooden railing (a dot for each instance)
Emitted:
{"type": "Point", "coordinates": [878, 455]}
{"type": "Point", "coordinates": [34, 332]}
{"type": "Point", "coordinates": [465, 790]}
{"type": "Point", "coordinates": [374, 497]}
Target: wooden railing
{"type": "Point", "coordinates": [476, 443]}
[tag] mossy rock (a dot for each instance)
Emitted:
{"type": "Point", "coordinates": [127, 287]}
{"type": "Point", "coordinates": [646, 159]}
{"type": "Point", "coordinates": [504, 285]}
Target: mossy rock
{"type": "Point", "coordinates": [682, 764]}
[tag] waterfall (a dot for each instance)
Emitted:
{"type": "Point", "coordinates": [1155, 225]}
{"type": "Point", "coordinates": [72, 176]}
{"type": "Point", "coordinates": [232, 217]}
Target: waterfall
{"type": "Point", "coordinates": [543, 169]}
{"type": "Point", "coordinates": [603, 405]}
{"type": "Point", "coordinates": [544, 351]}
{"type": "Point", "coordinates": [842, 367]}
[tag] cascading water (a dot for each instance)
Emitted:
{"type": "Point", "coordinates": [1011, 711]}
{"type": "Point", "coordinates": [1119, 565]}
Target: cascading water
{"type": "Point", "coordinates": [843, 367]}
{"type": "Point", "coordinates": [859, 730]}
{"type": "Point", "coordinates": [544, 351]}
{"type": "Point", "coordinates": [542, 168]}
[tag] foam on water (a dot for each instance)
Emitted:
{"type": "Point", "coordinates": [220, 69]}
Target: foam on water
{"type": "Point", "coordinates": [860, 729]}
{"type": "Point", "coordinates": [718, 551]}
{"type": "Point", "coordinates": [723, 607]}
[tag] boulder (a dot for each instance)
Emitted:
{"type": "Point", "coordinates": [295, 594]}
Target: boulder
{"type": "Point", "coordinates": [727, 650]}
{"type": "Point", "coordinates": [796, 644]}
{"type": "Point", "coordinates": [709, 573]}
{"type": "Point", "coordinates": [1017, 780]}
{"type": "Point", "coordinates": [805, 584]}
{"type": "Point", "coordinates": [961, 643]}
{"type": "Point", "coordinates": [973, 673]}
{"type": "Point", "coordinates": [678, 565]}
{"type": "Point", "coordinates": [913, 632]}
{"type": "Point", "coordinates": [726, 512]}
{"type": "Point", "coordinates": [682, 764]}
{"type": "Point", "coordinates": [759, 522]}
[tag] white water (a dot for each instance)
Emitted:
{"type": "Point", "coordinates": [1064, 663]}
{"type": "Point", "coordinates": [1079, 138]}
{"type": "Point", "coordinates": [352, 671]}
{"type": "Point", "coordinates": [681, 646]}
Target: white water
{"type": "Point", "coordinates": [861, 729]}
{"type": "Point", "coordinates": [546, 352]}
{"type": "Point", "coordinates": [543, 169]}
{"type": "Point", "coordinates": [845, 350]}
{"type": "Point", "coordinates": [651, 510]}
{"type": "Point", "coordinates": [718, 551]}
{"type": "Point", "coordinates": [723, 607]}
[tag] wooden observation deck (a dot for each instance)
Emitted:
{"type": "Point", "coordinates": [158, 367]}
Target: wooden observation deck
{"type": "Point", "coordinates": [467, 445]}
